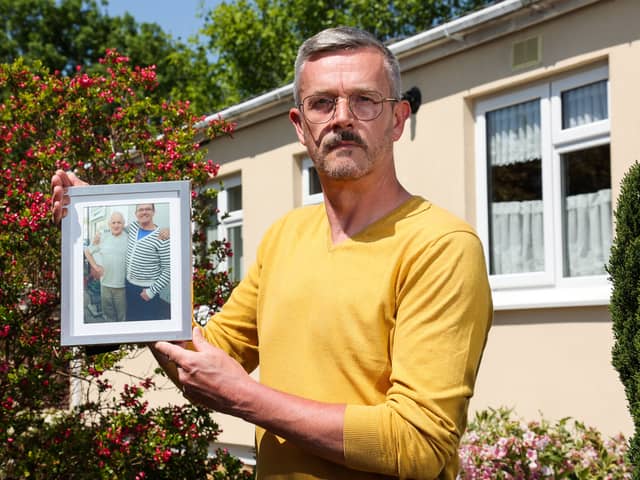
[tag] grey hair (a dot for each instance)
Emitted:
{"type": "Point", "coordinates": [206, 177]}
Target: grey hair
{"type": "Point", "coordinates": [345, 38]}
{"type": "Point", "coordinates": [116, 213]}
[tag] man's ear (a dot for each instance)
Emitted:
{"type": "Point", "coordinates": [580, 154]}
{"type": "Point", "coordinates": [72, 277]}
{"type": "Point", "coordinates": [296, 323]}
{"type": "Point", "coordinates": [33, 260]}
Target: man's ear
{"type": "Point", "coordinates": [296, 118]}
{"type": "Point", "coordinates": [400, 114]}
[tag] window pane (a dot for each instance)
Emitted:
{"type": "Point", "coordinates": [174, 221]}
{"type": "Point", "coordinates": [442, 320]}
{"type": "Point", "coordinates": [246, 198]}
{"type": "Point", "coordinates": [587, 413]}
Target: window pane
{"type": "Point", "coordinates": [314, 182]}
{"type": "Point", "coordinates": [587, 210]}
{"type": "Point", "coordinates": [212, 228]}
{"type": "Point", "coordinates": [515, 189]}
{"type": "Point", "coordinates": [583, 105]}
{"type": "Point", "coordinates": [234, 198]}
{"type": "Point", "coordinates": [235, 261]}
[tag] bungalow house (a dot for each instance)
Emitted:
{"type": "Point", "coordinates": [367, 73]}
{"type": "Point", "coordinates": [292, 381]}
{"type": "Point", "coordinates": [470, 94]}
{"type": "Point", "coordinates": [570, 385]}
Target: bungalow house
{"type": "Point", "coordinates": [527, 121]}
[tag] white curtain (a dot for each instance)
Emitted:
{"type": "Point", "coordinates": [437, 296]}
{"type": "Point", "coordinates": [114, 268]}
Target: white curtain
{"type": "Point", "coordinates": [518, 235]}
{"type": "Point", "coordinates": [514, 134]}
{"type": "Point", "coordinates": [583, 105]}
{"type": "Point", "coordinates": [588, 232]}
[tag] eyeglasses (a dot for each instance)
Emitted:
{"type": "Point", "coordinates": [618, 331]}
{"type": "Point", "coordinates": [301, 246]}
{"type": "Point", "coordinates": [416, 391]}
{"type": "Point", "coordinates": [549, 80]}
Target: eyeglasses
{"type": "Point", "coordinates": [364, 106]}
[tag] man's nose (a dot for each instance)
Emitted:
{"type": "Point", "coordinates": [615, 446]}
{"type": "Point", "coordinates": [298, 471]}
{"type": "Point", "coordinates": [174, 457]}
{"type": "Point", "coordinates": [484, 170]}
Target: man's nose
{"type": "Point", "coordinates": [343, 112]}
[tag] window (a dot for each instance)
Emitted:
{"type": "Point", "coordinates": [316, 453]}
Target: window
{"type": "Point", "coordinates": [311, 188]}
{"type": "Point", "coordinates": [227, 225]}
{"type": "Point", "coordinates": [544, 191]}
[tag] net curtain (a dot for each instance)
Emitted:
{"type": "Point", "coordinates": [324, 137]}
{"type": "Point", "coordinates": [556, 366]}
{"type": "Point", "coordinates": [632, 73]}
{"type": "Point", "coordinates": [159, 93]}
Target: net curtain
{"type": "Point", "coordinates": [517, 227]}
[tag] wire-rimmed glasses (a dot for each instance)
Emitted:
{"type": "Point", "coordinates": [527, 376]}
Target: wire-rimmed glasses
{"type": "Point", "coordinates": [365, 106]}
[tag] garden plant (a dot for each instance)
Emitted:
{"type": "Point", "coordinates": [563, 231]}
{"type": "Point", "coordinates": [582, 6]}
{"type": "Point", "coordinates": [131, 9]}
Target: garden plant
{"type": "Point", "coordinates": [105, 127]}
{"type": "Point", "coordinates": [498, 445]}
{"type": "Point", "coordinates": [624, 271]}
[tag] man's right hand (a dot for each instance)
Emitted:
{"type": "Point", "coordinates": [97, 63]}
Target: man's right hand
{"type": "Point", "coordinates": [97, 272]}
{"type": "Point", "coordinates": [60, 181]}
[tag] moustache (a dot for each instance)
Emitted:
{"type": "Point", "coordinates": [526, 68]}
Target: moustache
{"type": "Point", "coordinates": [342, 136]}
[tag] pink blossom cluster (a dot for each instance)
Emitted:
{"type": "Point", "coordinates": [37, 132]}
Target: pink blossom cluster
{"type": "Point", "coordinates": [497, 446]}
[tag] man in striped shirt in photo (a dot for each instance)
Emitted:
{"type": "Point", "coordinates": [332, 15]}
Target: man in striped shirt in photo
{"type": "Point", "coordinates": [148, 268]}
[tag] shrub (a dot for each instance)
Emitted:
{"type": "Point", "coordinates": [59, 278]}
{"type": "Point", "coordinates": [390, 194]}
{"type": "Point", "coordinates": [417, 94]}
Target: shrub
{"type": "Point", "coordinates": [106, 128]}
{"type": "Point", "coordinates": [499, 446]}
{"type": "Point", "coordinates": [624, 270]}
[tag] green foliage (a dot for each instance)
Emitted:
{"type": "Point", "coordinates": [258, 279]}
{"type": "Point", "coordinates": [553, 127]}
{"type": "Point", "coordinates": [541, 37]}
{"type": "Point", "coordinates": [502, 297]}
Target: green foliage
{"type": "Point", "coordinates": [107, 129]}
{"type": "Point", "coordinates": [499, 446]}
{"type": "Point", "coordinates": [250, 44]}
{"type": "Point", "coordinates": [62, 35]}
{"type": "Point", "coordinates": [66, 34]}
{"type": "Point", "coordinates": [120, 438]}
{"type": "Point", "coordinates": [256, 41]}
{"type": "Point", "coordinates": [624, 271]}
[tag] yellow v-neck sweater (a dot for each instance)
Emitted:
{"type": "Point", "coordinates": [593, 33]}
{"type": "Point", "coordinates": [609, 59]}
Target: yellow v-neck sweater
{"type": "Point", "coordinates": [392, 322]}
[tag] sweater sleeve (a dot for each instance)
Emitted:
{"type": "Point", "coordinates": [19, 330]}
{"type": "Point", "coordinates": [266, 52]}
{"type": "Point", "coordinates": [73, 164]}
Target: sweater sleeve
{"type": "Point", "coordinates": [443, 314]}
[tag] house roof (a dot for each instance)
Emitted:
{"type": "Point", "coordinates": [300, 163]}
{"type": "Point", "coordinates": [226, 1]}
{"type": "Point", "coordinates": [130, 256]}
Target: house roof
{"type": "Point", "coordinates": [460, 34]}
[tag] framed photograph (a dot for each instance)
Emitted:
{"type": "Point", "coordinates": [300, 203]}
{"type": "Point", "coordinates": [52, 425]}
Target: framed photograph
{"type": "Point", "coordinates": [126, 264]}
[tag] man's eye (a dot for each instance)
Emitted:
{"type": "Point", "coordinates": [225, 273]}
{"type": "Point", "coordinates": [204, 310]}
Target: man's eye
{"type": "Point", "coordinates": [321, 103]}
{"type": "Point", "coordinates": [364, 99]}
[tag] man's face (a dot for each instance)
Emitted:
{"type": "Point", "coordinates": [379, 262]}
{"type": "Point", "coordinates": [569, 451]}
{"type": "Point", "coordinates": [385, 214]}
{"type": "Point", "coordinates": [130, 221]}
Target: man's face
{"type": "Point", "coordinates": [116, 224]}
{"type": "Point", "coordinates": [144, 213]}
{"type": "Point", "coordinates": [345, 147]}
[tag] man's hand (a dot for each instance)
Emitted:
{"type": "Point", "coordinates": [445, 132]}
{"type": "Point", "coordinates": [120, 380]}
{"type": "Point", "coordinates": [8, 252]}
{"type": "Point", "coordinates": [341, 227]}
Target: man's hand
{"type": "Point", "coordinates": [60, 181]}
{"type": "Point", "coordinates": [144, 295]}
{"type": "Point", "coordinates": [209, 377]}
{"type": "Point", "coordinates": [97, 272]}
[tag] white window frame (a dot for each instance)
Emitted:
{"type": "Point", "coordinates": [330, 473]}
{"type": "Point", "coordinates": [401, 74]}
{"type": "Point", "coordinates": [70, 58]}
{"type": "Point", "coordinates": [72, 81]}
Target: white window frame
{"type": "Point", "coordinates": [308, 198]}
{"type": "Point", "coordinates": [549, 288]}
{"type": "Point", "coordinates": [228, 219]}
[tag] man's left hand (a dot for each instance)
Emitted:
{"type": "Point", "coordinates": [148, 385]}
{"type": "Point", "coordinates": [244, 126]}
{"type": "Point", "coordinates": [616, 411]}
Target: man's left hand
{"type": "Point", "coordinates": [209, 377]}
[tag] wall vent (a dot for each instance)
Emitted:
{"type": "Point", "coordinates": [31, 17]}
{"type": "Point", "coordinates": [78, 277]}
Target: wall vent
{"type": "Point", "coordinates": [526, 53]}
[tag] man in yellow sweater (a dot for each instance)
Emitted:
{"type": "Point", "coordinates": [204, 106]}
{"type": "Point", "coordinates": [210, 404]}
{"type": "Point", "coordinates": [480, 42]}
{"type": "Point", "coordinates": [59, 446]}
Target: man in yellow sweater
{"type": "Point", "coordinates": [368, 314]}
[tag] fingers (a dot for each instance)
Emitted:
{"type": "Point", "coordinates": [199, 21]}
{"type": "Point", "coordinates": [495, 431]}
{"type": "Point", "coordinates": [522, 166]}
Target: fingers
{"type": "Point", "coordinates": [66, 179]}
{"type": "Point", "coordinates": [58, 202]}
{"type": "Point", "coordinates": [174, 353]}
{"type": "Point", "coordinates": [60, 181]}
{"type": "Point", "coordinates": [183, 353]}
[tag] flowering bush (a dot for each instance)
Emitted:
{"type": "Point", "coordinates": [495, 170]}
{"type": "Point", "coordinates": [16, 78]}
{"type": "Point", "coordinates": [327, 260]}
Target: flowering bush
{"type": "Point", "coordinates": [117, 439]}
{"type": "Point", "coordinates": [106, 128]}
{"type": "Point", "coordinates": [497, 446]}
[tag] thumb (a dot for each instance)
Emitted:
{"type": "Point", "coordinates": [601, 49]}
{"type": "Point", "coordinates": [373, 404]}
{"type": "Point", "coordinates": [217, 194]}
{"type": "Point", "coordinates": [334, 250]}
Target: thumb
{"type": "Point", "coordinates": [198, 340]}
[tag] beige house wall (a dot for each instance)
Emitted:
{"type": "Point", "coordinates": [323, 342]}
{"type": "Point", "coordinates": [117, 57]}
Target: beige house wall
{"type": "Point", "coordinates": [554, 361]}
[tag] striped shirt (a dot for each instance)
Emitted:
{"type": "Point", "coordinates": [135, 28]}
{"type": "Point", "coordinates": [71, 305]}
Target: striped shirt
{"type": "Point", "coordinates": [148, 260]}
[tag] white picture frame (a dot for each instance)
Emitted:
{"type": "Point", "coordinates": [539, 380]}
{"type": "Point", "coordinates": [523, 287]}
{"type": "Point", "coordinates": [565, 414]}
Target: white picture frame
{"type": "Point", "coordinates": [92, 210]}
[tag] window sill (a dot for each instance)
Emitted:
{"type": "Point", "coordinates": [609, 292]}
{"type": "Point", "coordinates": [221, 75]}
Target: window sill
{"type": "Point", "coordinates": [551, 297]}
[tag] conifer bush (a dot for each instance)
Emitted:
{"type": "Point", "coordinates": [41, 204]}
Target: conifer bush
{"type": "Point", "coordinates": [624, 272]}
